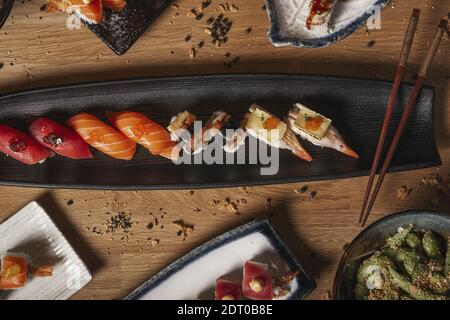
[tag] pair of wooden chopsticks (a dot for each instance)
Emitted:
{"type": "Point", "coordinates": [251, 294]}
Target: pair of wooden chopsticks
{"type": "Point", "coordinates": [421, 76]}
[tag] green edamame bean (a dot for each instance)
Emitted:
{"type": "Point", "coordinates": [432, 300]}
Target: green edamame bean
{"type": "Point", "coordinates": [397, 239]}
{"type": "Point", "coordinates": [431, 245]}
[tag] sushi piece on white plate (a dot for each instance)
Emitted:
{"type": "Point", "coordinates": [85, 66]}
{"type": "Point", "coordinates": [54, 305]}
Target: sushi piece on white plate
{"type": "Point", "coordinates": [320, 12]}
{"type": "Point", "coordinates": [268, 128]}
{"type": "Point", "coordinates": [317, 129]}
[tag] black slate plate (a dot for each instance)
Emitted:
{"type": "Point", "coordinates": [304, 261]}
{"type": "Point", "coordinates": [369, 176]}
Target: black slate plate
{"type": "Point", "coordinates": [121, 30]}
{"type": "Point", "coordinates": [355, 105]}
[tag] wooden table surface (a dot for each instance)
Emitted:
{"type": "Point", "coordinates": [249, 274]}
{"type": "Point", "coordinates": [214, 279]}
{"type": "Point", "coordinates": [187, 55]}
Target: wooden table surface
{"type": "Point", "coordinates": [37, 49]}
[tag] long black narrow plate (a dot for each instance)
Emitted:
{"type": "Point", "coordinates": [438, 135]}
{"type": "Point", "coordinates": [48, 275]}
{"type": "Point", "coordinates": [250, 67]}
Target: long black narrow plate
{"type": "Point", "coordinates": [356, 106]}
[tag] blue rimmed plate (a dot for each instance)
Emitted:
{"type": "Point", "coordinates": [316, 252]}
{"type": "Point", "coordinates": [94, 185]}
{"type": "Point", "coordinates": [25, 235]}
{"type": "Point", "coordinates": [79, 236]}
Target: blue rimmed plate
{"type": "Point", "coordinates": [194, 275]}
{"type": "Point", "coordinates": [288, 22]}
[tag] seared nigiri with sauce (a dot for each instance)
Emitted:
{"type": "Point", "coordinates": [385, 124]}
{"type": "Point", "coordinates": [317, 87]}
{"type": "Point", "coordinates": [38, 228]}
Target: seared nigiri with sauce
{"type": "Point", "coordinates": [317, 129]}
{"type": "Point", "coordinates": [102, 136]}
{"type": "Point", "coordinates": [320, 12]}
{"type": "Point", "coordinates": [145, 132]}
{"type": "Point", "coordinates": [266, 127]}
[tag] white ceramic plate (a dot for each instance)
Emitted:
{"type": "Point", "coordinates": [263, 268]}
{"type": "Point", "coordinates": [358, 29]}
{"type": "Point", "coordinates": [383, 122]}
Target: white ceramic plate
{"type": "Point", "coordinates": [194, 275]}
{"type": "Point", "coordinates": [31, 232]}
{"type": "Point", "coordinates": [288, 21]}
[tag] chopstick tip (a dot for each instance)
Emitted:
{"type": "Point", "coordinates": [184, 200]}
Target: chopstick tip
{"type": "Point", "coordinates": [443, 23]}
{"type": "Point", "coordinates": [416, 12]}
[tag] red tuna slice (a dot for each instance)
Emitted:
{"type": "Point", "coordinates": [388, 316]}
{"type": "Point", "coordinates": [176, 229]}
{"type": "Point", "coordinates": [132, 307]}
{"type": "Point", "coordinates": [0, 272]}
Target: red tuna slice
{"type": "Point", "coordinates": [257, 283]}
{"type": "Point", "coordinates": [227, 290]}
{"type": "Point", "coordinates": [21, 146]}
{"type": "Point", "coordinates": [60, 139]}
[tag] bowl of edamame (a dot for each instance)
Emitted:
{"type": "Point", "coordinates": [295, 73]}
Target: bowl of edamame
{"type": "Point", "coordinates": [404, 256]}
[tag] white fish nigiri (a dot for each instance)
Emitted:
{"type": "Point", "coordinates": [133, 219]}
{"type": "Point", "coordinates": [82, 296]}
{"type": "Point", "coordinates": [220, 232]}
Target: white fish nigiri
{"type": "Point", "coordinates": [271, 130]}
{"type": "Point", "coordinates": [317, 129]}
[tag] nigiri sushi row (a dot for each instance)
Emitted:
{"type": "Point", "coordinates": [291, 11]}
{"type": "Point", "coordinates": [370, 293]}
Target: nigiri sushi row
{"type": "Point", "coordinates": [47, 138]}
{"type": "Point", "coordinates": [263, 125]}
{"type": "Point", "coordinates": [118, 140]}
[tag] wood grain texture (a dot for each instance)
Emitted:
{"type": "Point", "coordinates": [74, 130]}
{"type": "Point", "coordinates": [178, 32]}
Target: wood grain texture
{"type": "Point", "coordinates": [43, 52]}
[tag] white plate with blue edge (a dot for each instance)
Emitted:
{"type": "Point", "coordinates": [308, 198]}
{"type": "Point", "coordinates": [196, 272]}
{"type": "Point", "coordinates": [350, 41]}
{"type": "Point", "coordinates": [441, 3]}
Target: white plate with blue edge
{"type": "Point", "coordinates": [32, 233]}
{"type": "Point", "coordinates": [288, 22]}
{"type": "Point", "coordinates": [193, 276]}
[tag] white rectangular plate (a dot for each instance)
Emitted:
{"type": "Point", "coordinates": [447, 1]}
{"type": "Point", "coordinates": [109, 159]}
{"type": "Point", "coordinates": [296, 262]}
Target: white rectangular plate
{"type": "Point", "coordinates": [31, 232]}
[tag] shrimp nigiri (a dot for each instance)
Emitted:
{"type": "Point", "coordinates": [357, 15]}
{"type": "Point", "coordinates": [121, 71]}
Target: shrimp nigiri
{"type": "Point", "coordinates": [102, 136]}
{"type": "Point", "coordinates": [317, 129]}
{"type": "Point", "coordinates": [268, 128]}
{"type": "Point", "coordinates": [144, 131]}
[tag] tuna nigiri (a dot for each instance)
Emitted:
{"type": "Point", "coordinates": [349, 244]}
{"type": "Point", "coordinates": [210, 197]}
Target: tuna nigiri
{"type": "Point", "coordinates": [271, 130]}
{"type": "Point", "coordinates": [257, 282]}
{"type": "Point", "coordinates": [102, 136]}
{"type": "Point", "coordinates": [60, 139]}
{"type": "Point", "coordinates": [22, 147]}
{"type": "Point", "coordinates": [144, 131]}
{"type": "Point", "coordinates": [227, 290]}
{"type": "Point", "coordinates": [317, 129]}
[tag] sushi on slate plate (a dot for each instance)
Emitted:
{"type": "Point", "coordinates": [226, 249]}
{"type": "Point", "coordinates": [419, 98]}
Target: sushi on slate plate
{"type": "Point", "coordinates": [90, 11]}
{"type": "Point", "coordinates": [102, 136]}
{"type": "Point", "coordinates": [199, 138]}
{"type": "Point", "coordinates": [22, 147]}
{"type": "Point", "coordinates": [144, 131]}
{"type": "Point", "coordinates": [317, 129]}
{"type": "Point", "coordinates": [60, 139]}
{"type": "Point", "coordinates": [271, 130]}
{"type": "Point", "coordinates": [218, 124]}
{"type": "Point", "coordinates": [181, 128]}
{"type": "Point", "coordinates": [15, 271]}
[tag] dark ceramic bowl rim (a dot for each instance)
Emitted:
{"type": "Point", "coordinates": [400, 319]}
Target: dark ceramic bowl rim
{"type": "Point", "coordinates": [369, 228]}
{"type": "Point", "coordinates": [5, 10]}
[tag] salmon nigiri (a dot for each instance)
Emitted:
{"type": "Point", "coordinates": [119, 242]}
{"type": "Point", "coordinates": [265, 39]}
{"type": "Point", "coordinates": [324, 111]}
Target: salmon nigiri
{"type": "Point", "coordinates": [102, 136]}
{"type": "Point", "coordinates": [144, 131]}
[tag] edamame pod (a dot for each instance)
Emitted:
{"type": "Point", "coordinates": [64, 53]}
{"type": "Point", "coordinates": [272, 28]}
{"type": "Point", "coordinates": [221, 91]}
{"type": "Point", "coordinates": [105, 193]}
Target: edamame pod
{"type": "Point", "coordinates": [431, 245]}
{"type": "Point", "coordinates": [397, 239]}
